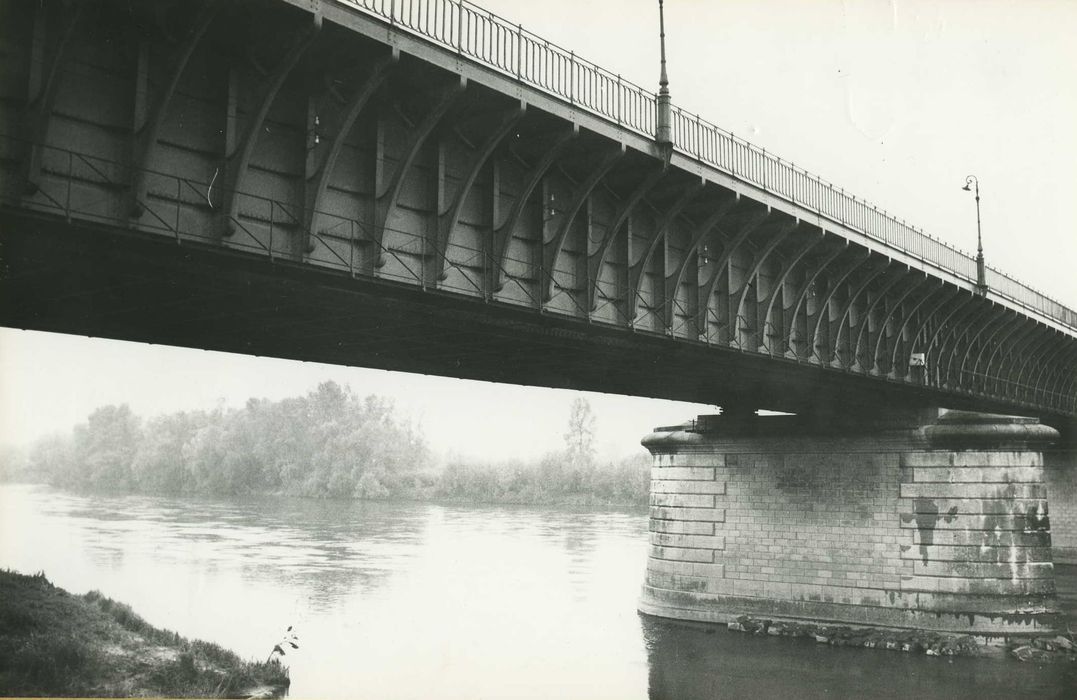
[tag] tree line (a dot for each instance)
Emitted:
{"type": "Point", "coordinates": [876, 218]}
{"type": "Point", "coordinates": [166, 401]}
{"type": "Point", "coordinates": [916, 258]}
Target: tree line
{"type": "Point", "coordinates": [329, 443]}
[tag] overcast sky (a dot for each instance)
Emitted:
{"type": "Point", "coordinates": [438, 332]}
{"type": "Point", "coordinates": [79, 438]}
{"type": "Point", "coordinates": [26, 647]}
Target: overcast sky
{"type": "Point", "coordinates": [894, 101]}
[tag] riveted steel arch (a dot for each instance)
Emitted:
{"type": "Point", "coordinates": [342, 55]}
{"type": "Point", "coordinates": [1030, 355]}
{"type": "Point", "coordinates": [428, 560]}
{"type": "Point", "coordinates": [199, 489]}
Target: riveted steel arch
{"type": "Point", "coordinates": [447, 220]}
{"type": "Point", "coordinates": [623, 211]}
{"type": "Point", "coordinates": [237, 163]}
{"type": "Point", "coordinates": [944, 326]}
{"type": "Point", "coordinates": [813, 238]}
{"type": "Point", "coordinates": [1015, 356]}
{"type": "Point", "coordinates": [884, 294]}
{"type": "Point", "coordinates": [780, 235]}
{"type": "Point", "coordinates": [503, 233]}
{"type": "Point", "coordinates": [552, 250]}
{"type": "Point", "coordinates": [801, 297]}
{"type": "Point", "coordinates": [959, 341]}
{"type": "Point", "coordinates": [148, 134]}
{"type": "Point", "coordinates": [359, 99]}
{"type": "Point", "coordinates": [661, 229]}
{"type": "Point", "coordinates": [991, 369]}
{"type": "Point", "coordinates": [753, 221]}
{"type": "Point", "coordinates": [833, 284]}
{"type": "Point", "coordinates": [846, 310]}
{"type": "Point", "coordinates": [947, 293]}
{"type": "Point", "coordinates": [386, 199]}
{"type": "Point", "coordinates": [40, 103]}
{"type": "Point", "coordinates": [977, 352]}
{"type": "Point", "coordinates": [897, 313]}
{"type": "Point", "coordinates": [700, 232]}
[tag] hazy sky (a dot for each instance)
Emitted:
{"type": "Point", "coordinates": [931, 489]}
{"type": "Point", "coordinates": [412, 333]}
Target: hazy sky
{"type": "Point", "coordinates": [894, 101]}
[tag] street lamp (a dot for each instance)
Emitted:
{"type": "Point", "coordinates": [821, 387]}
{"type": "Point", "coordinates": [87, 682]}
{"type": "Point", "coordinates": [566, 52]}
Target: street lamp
{"type": "Point", "coordinates": [664, 121]}
{"type": "Point", "coordinates": [981, 279]}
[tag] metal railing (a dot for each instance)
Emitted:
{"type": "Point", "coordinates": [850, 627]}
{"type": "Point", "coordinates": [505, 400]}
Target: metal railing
{"type": "Point", "coordinates": [497, 43]}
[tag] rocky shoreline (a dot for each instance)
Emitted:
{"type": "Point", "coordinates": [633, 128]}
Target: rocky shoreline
{"type": "Point", "coordinates": [1038, 649]}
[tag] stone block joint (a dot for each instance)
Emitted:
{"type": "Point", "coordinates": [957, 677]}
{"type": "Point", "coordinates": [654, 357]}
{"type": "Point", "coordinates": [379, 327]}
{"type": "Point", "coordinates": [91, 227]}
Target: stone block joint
{"type": "Point", "coordinates": [941, 524]}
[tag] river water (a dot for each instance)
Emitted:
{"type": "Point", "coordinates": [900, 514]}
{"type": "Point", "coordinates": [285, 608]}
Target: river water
{"type": "Point", "coordinates": [402, 600]}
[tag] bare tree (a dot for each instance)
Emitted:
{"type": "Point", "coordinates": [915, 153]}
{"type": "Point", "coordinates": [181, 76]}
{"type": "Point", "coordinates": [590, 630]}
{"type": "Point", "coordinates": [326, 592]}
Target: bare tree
{"type": "Point", "coordinates": [580, 438]}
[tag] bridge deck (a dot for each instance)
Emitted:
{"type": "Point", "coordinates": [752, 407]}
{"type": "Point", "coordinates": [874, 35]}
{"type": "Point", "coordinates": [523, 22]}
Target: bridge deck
{"type": "Point", "coordinates": [333, 186]}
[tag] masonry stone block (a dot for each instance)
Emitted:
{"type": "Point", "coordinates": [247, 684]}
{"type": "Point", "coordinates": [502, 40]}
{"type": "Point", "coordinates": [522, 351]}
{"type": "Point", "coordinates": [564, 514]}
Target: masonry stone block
{"type": "Point", "coordinates": [942, 524]}
{"type": "Point", "coordinates": [1060, 472]}
{"type": "Point", "coordinates": [682, 473]}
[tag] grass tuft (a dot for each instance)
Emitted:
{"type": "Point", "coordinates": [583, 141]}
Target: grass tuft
{"type": "Point", "coordinates": [55, 643]}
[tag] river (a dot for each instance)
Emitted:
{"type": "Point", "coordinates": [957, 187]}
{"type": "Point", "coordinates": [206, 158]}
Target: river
{"type": "Point", "coordinates": [407, 600]}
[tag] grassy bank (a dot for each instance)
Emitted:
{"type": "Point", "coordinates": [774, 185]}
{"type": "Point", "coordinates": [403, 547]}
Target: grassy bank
{"type": "Point", "coordinates": [56, 643]}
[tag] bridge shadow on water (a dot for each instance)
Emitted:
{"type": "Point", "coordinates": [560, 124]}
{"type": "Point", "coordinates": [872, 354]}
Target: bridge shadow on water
{"type": "Point", "coordinates": [689, 662]}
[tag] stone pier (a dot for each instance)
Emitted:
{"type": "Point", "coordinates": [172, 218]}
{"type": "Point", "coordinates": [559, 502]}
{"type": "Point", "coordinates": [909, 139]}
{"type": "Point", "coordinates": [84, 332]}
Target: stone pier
{"type": "Point", "coordinates": [937, 524]}
{"type": "Point", "coordinates": [1060, 472]}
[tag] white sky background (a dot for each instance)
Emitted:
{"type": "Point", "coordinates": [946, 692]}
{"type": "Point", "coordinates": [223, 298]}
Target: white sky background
{"type": "Point", "coordinates": [894, 101]}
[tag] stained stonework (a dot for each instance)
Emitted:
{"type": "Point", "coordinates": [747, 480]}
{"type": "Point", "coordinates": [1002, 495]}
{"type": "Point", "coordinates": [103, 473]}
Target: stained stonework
{"type": "Point", "coordinates": [943, 526]}
{"type": "Point", "coordinates": [1060, 471]}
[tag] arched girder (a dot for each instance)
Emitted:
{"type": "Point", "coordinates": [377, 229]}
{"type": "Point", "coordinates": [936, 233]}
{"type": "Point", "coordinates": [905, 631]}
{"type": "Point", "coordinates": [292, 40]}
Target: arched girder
{"type": "Point", "coordinates": [323, 173]}
{"type": "Point", "coordinates": [552, 250]}
{"type": "Point", "coordinates": [861, 331]}
{"type": "Point", "coordinates": [832, 287]}
{"type": "Point", "coordinates": [700, 232]}
{"type": "Point", "coordinates": [386, 199]}
{"type": "Point", "coordinates": [1019, 351]}
{"type": "Point", "coordinates": [503, 233]}
{"type": "Point", "coordinates": [962, 310]}
{"type": "Point", "coordinates": [947, 294]}
{"type": "Point", "coordinates": [624, 210]}
{"type": "Point", "coordinates": [1005, 380]}
{"type": "Point", "coordinates": [960, 339]}
{"type": "Point", "coordinates": [992, 318]}
{"type": "Point", "coordinates": [847, 307]}
{"type": "Point", "coordinates": [1035, 355]}
{"type": "Point", "coordinates": [447, 221]}
{"type": "Point", "coordinates": [1048, 366]}
{"type": "Point", "coordinates": [876, 353]}
{"type": "Point", "coordinates": [1067, 369]}
{"type": "Point", "coordinates": [782, 232]}
{"type": "Point", "coordinates": [998, 323]}
{"type": "Point", "coordinates": [145, 139]}
{"type": "Point", "coordinates": [990, 370]}
{"type": "Point", "coordinates": [236, 168]}
{"type": "Point", "coordinates": [41, 96]}
{"type": "Point", "coordinates": [661, 230]}
{"type": "Point", "coordinates": [950, 327]}
{"type": "Point", "coordinates": [753, 222]}
{"type": "Point", "coordinates": [935, 319]}
{"type": "Point", "coordinates": [811, 240]}
{"type": "Point", "coordinates": [809, 283]}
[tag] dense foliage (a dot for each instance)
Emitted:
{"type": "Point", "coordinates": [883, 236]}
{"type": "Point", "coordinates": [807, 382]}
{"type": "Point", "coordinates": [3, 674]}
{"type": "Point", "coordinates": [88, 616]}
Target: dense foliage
{"type": "Point", "coordinates": [551, 481]}
{"type": "Point", "coordinates": [327, 444]}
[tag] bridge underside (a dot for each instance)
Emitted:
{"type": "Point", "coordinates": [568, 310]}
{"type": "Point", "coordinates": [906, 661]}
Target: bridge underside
{"type": "Point", "coordinates": [115, 284]}
{"type": "Point", "coordinates": [251, 177]}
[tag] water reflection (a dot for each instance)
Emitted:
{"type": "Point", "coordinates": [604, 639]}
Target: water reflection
{"type": "Point", "coordinates": [430, 601]}
{"type": "Point", "coordinates": [696, 662]}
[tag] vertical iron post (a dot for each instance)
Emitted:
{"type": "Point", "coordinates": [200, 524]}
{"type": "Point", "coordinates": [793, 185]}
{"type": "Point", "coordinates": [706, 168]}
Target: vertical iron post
{"type": "Point", "coordinates": [664, 131]}
{"type": "Point", "coordinates": [981, 273]}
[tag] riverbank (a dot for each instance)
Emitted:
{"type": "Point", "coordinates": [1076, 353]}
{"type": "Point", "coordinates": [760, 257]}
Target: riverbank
{"type": "Point", "coordinates": [56, 643]}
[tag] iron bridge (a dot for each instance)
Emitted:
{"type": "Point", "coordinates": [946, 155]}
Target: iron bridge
{"type": "Point", "coordinates": [421, 185]}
